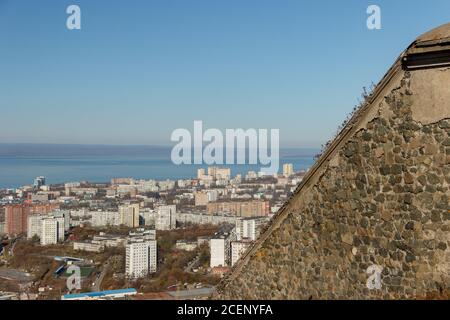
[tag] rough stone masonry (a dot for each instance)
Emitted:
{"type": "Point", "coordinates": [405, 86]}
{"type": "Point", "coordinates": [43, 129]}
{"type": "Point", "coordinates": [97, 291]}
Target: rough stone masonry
{"type": "Point", "coordinates": [378, 196]}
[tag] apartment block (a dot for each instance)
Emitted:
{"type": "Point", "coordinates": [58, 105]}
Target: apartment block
{"type": "Point", "coordinates": [201, 198]}
{"type": "Point", "coordinates": [42, 208]}
{"type": "Point", "coordinates": [34, 226]}
{"type": "Point", "coordinates": [166, 217]}
{"type": "Point", "coordinates": [52, 230]}
{"type": "Point", "coordinates": [16, 219]}
{"type": "Point", "coordinates": [249, 228]}
{"type": "Point", "coordinates": [219, 173]}
{"type": "Point", "coordinates": [64, 215]}
{"type": "Point", "coordinates": [129, 215]}
{"type": "Point", "coordinates": [288, 169]}
{"type": "Point", "coordinates": [105, 218]}
{"type": "Point", "coordinates": [252, 208]}
{"type": "Point", "coordinates": [220, 246]}
{"type": "Point", "coordinates": [141, 254]}
{"type": "Point", "coordinates": [238, 248]}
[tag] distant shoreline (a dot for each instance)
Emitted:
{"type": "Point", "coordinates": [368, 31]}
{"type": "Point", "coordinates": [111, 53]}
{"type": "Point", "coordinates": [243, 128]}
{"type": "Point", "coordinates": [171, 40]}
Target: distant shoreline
{"type": "Point", "coordinates": [21, 163]}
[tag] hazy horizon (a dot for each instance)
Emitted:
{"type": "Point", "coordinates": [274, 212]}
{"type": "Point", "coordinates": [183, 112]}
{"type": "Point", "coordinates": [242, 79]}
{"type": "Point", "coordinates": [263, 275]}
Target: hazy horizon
{"type": "Point", "coordinates": [21, 163]}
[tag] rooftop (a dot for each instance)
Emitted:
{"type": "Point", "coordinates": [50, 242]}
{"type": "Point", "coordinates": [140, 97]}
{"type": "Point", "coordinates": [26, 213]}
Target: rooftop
{"type": "Point", "coordinates": [431, 49]}
{"type": "Point", "coordinates": [224, 231]}
{"type": "Point", "coordinates": [99, 294]}
{"type": "Point", "coordinates": [440, 34]}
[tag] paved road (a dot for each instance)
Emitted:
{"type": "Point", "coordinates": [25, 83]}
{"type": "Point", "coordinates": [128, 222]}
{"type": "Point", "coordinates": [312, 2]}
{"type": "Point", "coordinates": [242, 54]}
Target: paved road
{"type": "Point", "coordinates": [11, 251]}
{"type": "Point", "coordinates": [192, 293]}
{"type": "Point", "coordinates": [191, 264]}
{"type": "Point", "coordinates": [15, 275]}
{"type": "Point", "coordinates": [98, 282]}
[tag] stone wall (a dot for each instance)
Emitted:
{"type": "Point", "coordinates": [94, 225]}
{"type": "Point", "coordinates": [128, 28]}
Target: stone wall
{"type": "Point", "coordinates": [382, 199]}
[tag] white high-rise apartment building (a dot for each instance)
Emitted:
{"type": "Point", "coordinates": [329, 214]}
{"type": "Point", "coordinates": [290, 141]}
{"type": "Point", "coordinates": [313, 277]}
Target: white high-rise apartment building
{"type": "Point", "coordinates": [249, 228]}
{"type": "Point", "coordinates": [166, 217]}
{"type": "Point", "coordinates": [105, 218]}
{"type": "Point", "coordinates": [238, 248]}
{"type": "Point", "coordinates": [61, 228]}
{"type": "Point", "coordinates": [218, 252]}
{"type": "Point", "coordinates": [141, 257]}
{"type": "Point", "coordinates": [220, 246]}
{"type": "Point", "coordinates": [45, 230]}
{"type": "Point", "coordinates": [34, 225]}
{"type": "Point", "coordinates": [65, 215]}
{"type": "Point", "coordinates": [52, 230]}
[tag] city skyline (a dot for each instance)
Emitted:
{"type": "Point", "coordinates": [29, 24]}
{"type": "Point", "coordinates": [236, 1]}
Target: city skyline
{"type": "Point", "coordinates": [134, 73]}
{"type": "Point", "coordinates": [251, 151]}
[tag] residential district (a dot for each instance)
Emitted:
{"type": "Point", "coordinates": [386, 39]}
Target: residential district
{"type": "Point", "coordinates": [133, 239]}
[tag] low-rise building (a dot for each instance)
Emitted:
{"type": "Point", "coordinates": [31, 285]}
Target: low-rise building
{"type": "Point", "coordinates": [88, 246]}
{"type": "Point", "coordinates": [109, 241]}
{"type": "Point", "coordinates": [186, 245]}
{"type": "Point", "coordinates": [102, 295]}
{"type": "Point", "coordinates": [40, 197]}
{"type": "Point", "coordinates": [202, 240]}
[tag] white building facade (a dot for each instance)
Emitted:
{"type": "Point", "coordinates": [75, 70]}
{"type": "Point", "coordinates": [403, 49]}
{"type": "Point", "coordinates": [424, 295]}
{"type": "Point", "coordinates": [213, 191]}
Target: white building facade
{"type": "Point", "coordinates": [220, 246]}
{"type": "Point", "coordinates": [141, 253]}
{"type": "Point", "coordinates": [249, 228]}
{"type": "Point", "coordinates": [238, 248]}
{"type": "Point", "coordinates": [52, 230]}
{"type": "Point", "coordinates": [34, 226]}
{"type": "Point", "coordinates": [105, 218]}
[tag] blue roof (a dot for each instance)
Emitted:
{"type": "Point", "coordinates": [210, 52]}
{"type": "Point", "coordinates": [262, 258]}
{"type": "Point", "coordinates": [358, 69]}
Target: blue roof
{"type": "Point", "coordinates": [59, 270]}
{"type": "Point", "coordinates": [99, 293]}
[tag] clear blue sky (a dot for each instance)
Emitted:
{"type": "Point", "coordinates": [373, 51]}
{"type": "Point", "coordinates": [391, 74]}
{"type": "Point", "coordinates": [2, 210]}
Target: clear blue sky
{"type": "Point", "coordinates": [139, 69]}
